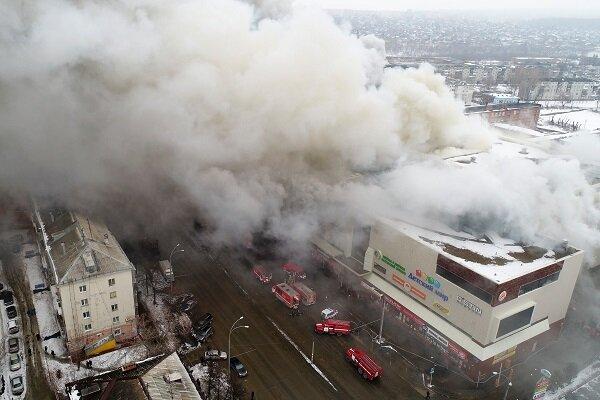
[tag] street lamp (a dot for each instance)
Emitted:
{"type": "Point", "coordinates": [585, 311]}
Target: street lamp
{"type": "Point", "coordinates": [507, 386]}
{"type": "Point", "coordinates": [233, 328]}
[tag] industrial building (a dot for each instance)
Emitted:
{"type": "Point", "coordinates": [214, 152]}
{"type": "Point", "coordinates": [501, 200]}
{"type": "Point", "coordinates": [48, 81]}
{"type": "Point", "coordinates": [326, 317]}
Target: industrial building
{"type": "Point", "coordinates": [485, 302]}
{"type": "Point", "coordinates": [521, 114]}
{"type": "Point", "coordinates": [92, 281]}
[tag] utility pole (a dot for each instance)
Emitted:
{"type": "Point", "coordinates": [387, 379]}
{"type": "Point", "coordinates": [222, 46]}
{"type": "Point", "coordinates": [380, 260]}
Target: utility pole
{"type": "Point", "coordinates": [380, 337]}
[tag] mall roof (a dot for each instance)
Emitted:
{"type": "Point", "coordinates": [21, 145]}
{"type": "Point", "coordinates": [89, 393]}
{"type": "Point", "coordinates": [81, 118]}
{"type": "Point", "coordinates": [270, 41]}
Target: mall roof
{"type": "Point", "coordinates": [491, 256]}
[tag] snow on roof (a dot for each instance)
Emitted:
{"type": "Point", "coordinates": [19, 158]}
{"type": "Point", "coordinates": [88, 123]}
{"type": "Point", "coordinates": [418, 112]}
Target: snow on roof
{"type": "Point", "coordinates": [503, 149]}
{"type": "Point", "coordinates": [491, 256]}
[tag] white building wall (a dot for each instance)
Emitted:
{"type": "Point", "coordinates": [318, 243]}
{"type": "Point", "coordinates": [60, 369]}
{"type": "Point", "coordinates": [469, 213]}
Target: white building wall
{"type": "Point", "coordinates": [98, 294]}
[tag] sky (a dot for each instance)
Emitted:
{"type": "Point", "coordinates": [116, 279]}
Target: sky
{"type": "Point", "coordinates": [574, 6]}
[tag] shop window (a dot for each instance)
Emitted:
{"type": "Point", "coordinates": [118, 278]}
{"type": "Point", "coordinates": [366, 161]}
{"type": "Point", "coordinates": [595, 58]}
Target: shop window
{"type": "Point", "coordinates": [515, 322]}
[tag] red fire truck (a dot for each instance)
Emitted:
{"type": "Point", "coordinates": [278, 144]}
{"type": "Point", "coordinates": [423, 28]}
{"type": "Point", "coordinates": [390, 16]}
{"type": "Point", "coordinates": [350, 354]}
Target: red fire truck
{"type": "Point", "coordinates": [333, 327]}
{"type": "Point", "coordinates": [286, 294]}
{"type": "Point", "coordinates": [366, 367]}
{"type": "Point", "coordinates": [261, 274]}
{"type": "Point", "coordinates": [307, 295]}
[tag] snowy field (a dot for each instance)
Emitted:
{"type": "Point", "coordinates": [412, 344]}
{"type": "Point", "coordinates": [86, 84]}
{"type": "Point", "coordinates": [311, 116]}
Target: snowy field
{"type": "Point", "coordinates": [585, 119]}
{"type": "Point", "coordinates": [589, 104]}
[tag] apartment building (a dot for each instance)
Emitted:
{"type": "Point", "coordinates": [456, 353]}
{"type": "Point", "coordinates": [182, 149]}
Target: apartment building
{"type": "Point", "coordinates": [93, 281]}
{"type": "Point", "coordinates": [563, 89]}
{"type": "Point", "coordinates": [485, 302]}
{"type": "Point", "coordinates": [520, 114]}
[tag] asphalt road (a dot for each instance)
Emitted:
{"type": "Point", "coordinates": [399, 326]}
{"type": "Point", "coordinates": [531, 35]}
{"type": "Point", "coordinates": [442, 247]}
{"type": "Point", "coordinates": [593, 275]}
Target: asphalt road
{"type": "Point", "coordinates": [277, 370]}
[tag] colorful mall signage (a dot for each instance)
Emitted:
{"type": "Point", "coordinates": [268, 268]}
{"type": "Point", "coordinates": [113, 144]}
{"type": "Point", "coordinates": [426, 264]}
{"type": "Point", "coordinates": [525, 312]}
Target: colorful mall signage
{"type": "Point", "coordinates": [429, 283]}
{"type": "Point", "coordinates": [467, 304]}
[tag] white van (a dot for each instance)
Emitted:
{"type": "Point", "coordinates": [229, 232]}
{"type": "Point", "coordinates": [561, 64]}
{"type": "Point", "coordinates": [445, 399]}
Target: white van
{"type": "Point", "coordinates": [13, 327]}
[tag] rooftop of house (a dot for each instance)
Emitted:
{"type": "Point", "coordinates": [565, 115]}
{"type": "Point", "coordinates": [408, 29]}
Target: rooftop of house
{"type": "Point", "coordinates": [156, 378]}
{"type": "Point", "coordinates": [81, 247]}
{"type": "Point", "coordinates": [497, 107]}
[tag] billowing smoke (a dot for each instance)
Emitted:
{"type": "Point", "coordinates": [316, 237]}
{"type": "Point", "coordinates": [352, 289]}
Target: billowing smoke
{"type": "Point", "coordinates": [153, 111]}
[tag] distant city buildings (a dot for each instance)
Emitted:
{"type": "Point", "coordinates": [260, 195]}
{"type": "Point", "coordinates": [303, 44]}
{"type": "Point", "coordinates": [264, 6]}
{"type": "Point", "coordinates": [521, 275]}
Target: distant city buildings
{"type": "Point", "coordinates": [561, 89]}
{"type": "Point", "coordinates": [92, 281]}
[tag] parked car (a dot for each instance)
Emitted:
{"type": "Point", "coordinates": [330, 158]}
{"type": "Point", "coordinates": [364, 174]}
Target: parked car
{"type": "Point", "coordinates": [8, 298]}
{"type": "Point", "coordinates": [215, 355]}
{"type": "Point", "coordinates": [30, 253]}
{"type": "Point", "coordinates": [329, 313]}
{"type": "Point", "coordinates": [15, 362]}
{"type": "Point", "coordinates": [205, 320]}
{"type": "Point", "coordinates": [40, 287]}
{"type": "Point", "coordinates": [11, 311]}
{"type": "Point", "coordinates": [13, 345]}
{"type": "Point", "coordinates": [203, 334]}
{"type": "Point", "coordinates": [190, 344]}
{"type": "Point", "coordinates": [237, 367]}
{"type": "Point", "coordinates": [13, 327]}
{"type": "Point", "coordinates": [16, 385]}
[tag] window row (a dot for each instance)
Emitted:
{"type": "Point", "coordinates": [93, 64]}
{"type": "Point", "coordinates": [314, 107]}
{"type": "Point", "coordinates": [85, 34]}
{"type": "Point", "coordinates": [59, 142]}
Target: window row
{"type": "Point", "coordinates": [539, 283]}
{"type": "Point", "coordinates": [463, 284]}
{"type": "Point", "coordinates": [85, 302]}
{"type": "Point", "coordinates": [88, 327]}
{"type": "Point", "coordinates": [83, 288]}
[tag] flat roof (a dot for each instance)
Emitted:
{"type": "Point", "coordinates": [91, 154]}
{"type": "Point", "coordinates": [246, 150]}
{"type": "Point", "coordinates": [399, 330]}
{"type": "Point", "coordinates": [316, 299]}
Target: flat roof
{"type": "Point", "coordinates": [491, 256]}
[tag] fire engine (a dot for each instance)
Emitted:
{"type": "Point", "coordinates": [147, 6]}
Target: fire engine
{"type": "Point", "coordinates": [365, 365]}
{"type": "Point", "coordinates": [286, 294]}
{"type": "Point", "coordinates": [307, 295]}
{"type": "Point", "coordinates": [261, 274]}
{"type": "Point", "coordinates": [333, 327]}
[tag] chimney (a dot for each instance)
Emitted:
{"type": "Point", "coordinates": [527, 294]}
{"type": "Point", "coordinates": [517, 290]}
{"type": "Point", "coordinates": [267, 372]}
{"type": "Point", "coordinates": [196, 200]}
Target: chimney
{"type": "Point", "coordinates": [64, 248]}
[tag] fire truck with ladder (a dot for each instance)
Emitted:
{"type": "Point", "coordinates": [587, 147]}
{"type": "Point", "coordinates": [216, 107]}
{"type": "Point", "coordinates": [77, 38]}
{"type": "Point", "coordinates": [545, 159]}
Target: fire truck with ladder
{"type": "Point", "coordinates": [366, 367]}
{"type": "Point", "coordinates": [307, 295]}
{"type": "Point", "coordinates": [333, 327]}
{"type": "Point", "coordinates": [286, 295]}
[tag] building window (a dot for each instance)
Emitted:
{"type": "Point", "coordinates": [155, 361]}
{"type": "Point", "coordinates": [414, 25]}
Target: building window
{"type": "Point", "coordinates": [539, 283]}
{"type": "Point", "coordinates": [514, 322]}
{"type": "Point", "coordinates": [87, 327]}
{"type": "Point", "coordinates": [111, 282]}
{"type": "Point", "coordinates": [379, 269]}
{"type": "Point", "coordinates": [463, 284]}
{"type": "Point", "coordinates": [114, 307]}
{"type": "Point", "coordinates": [84, 302]}
{"type": "Point", "coordinates": [115, 319]}
{"type": "Point", "coordinates": [86, 314]}
{"type": "Point", "coordinates": [113, 295]}
{"type": "Point", "coordinates": [83, 288]}
{"type": "Point", "coordinates": [118, 332]}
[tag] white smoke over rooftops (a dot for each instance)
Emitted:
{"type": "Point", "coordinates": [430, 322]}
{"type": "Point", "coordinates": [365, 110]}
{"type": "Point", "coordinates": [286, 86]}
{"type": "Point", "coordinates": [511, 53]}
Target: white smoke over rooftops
{"type": "Point", "coordinates": [160, 110]}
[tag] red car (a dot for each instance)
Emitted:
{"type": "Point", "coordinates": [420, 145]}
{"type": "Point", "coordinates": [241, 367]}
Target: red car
{"type": "Point", "coordinates": [333, 327]}
{"type": "Point", "coordinates": [261, 274]}
{"type": "Point", "coordinates": [366, 366]}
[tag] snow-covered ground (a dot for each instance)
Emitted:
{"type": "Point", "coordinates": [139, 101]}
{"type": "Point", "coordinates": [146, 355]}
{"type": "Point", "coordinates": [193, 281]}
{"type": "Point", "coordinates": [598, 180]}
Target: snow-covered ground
{"type": "Point", "coordinates": [584, 119]}
{"type": "Point", "coordinates": [200, 373]}
{"type": "Point", "coordinates": [585, 386]}
{"type": "Point", "coordinates": [589, 104]}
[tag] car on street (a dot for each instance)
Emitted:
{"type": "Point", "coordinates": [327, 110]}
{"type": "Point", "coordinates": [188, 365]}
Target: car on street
{"type": "Point", "coordinates": [329, 313]}
{"type": "Point", "coordinates": [203, 334]}
{"type": "Point", "coordinates": [15, 362]}
{"type": "Point", "coordinates": [13, 345]}
{"type": "Point", "coordinates": [16, 385]}
{"type": "Point", "coordinates": [237, 367]}
{"type": "Point", "coordinates": [215, 355]}
{"type": "Point", "coordinates": [11, 311]}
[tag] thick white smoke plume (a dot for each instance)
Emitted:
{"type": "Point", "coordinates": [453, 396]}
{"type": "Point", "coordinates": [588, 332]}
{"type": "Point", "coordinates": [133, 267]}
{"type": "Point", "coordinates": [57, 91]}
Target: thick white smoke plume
{"type": "Point", "coordinates": [158, 110]}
